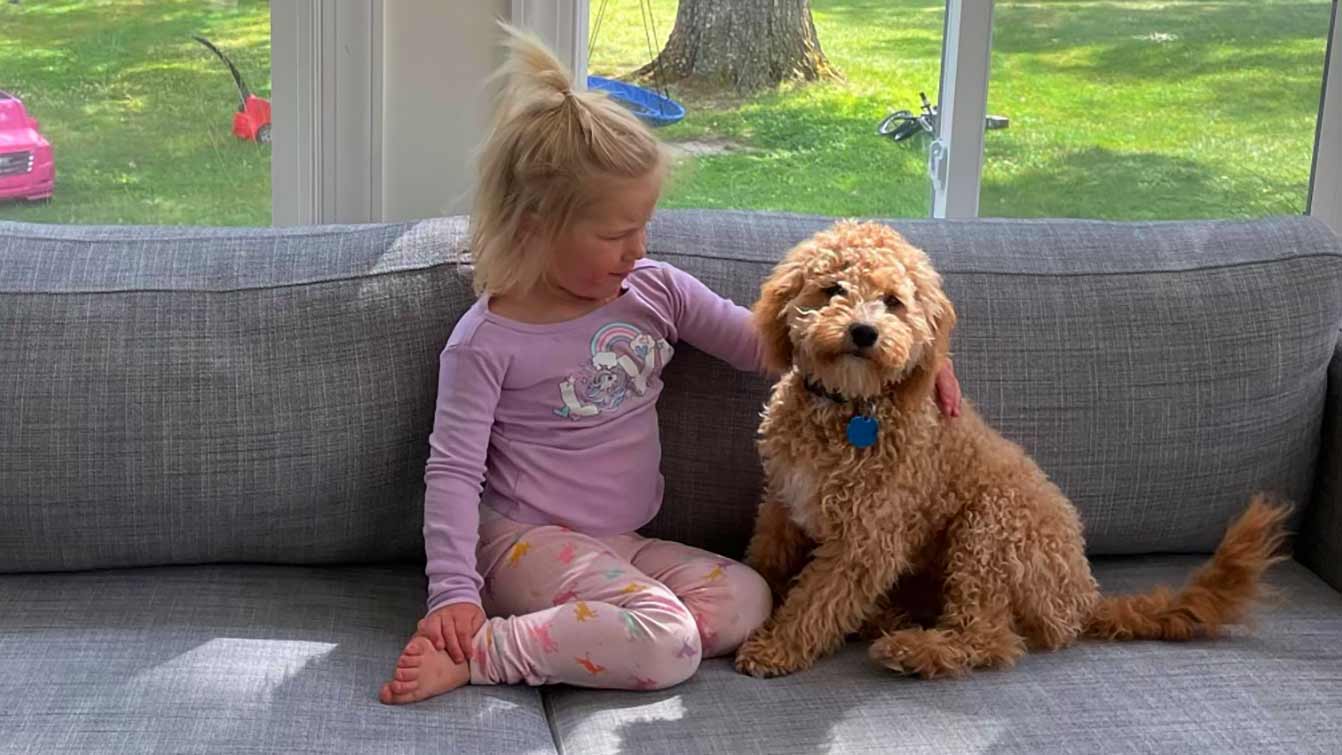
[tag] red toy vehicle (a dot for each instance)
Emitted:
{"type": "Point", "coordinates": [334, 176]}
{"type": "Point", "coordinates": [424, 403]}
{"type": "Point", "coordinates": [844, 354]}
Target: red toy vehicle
{"type": "Point", "coordinates": [27, 168]}
{"type": "Point", "coordinates": [252, 119]}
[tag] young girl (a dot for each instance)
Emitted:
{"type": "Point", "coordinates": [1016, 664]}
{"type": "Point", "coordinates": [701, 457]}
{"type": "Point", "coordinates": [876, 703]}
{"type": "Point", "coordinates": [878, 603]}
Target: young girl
{"type": "Point", "coordinates": [547, 395]}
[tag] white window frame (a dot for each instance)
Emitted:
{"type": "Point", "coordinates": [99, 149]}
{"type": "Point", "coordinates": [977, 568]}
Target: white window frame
{"type": "Point", "coordinates": [327, 78]}
{"type": "Point", "coordinates": [1325, 177]}
{"type": "Point", "coordinates": [955, 159]}
{"type": "Point", "coordinates": [326, 94]}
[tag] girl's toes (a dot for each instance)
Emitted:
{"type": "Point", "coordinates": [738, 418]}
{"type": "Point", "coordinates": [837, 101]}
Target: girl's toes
{"type": "Point", "coordinates": [404, 688]}
{"type": "Point", "coordinates": [384, 694]}
{"type": "Point", "coordinates": [418, 646]}
{"type": "Point", "coordinates": [406, 674]}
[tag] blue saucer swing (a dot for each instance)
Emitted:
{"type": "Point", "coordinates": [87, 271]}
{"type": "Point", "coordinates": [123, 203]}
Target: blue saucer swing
{"type": "Point", "coordinates": [653, 108]}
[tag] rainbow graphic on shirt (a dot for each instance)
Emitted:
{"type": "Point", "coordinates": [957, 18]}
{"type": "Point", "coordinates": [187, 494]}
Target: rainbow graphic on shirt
{"type": "Point", "coordinates": [623, 360]}
{"type": "Point", "coordinates": [615, 334]}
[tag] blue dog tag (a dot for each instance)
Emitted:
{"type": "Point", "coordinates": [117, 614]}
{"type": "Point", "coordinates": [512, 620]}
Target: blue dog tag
{"type": "Point", "coordinates": [862, 431]}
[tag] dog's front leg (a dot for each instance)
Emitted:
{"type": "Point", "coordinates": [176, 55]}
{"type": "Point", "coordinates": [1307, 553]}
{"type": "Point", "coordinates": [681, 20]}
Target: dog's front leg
{"type": "Point", "coordinates": [833, 596]}
{"type": "Point", "coordinates": [778, 547]}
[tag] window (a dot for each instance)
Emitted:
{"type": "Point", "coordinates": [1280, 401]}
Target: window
{"type": "Point", "coordinates": [1138, 110]}
{"type": "Point", "coordinates": [810, 148]}
{"type": "Point", "coordinates": [1103, 109]}
{"type": "Point", "coordinates": [139, 116]}
{"type": "Point", "coordinates": [1124, 110]}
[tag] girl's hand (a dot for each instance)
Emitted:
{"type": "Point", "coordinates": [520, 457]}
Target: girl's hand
{"type": "Point", "coordinates": [451, 628]}
{"type": "Point", "coordinates": [948, 391]}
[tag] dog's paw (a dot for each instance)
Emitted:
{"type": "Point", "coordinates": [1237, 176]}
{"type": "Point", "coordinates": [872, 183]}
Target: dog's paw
{"type": "Point", "coordinates": [763, 656]}
{"type": "Point", "coordinates": [926, 653]}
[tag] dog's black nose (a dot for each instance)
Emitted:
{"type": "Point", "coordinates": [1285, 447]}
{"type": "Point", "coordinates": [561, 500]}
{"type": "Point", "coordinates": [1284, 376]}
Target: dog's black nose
{"type": "Point", "coordinates": [863, 335]}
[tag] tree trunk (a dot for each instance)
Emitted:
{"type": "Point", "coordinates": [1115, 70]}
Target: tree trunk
{"type": "Point", "coordinates": [745, 45]}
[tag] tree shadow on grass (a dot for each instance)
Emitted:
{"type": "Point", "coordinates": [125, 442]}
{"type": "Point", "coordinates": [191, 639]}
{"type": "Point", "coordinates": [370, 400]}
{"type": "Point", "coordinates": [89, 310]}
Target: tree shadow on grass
{"type": "Point", "coordinates": [1164, 43]}
{"type": "Point", "coordinates": [1095, 182]}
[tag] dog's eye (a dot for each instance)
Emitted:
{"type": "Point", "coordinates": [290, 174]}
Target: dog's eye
{"type": "Point", "coordinates": [892, 302]}
{"type": "Point", "coordinates": [835, 290]}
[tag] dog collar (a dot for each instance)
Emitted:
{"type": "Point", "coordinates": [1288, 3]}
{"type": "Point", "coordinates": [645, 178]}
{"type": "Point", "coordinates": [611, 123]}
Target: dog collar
{"type": "Point", "coordinates": [862, 428]}
{"type": "Point", "coordinates": [834, 396]}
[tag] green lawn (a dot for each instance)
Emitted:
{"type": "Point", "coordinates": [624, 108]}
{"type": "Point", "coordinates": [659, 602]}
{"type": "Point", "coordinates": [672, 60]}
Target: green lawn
{"type": "Point", "coordinates": [139, 114]}
{"type": "Point", "coordinates": [1118, 109]}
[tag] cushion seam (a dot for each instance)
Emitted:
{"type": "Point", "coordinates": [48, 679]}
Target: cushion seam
{"type": "Point", "coordinates": [236, 289]}
{"type": "Point", "coordinates": [548, 707]}
{"type": "Point", "coordinates": [946, 270]}
{"type": "Point", "coordinates": [690, 255]}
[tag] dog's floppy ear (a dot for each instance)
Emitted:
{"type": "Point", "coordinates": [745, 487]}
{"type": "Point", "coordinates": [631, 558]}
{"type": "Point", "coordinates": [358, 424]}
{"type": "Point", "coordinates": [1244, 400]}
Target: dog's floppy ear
{"type": "Point", "coordinates": [941, 317]}
{"type": "Point", "coordinates": [771, 315]}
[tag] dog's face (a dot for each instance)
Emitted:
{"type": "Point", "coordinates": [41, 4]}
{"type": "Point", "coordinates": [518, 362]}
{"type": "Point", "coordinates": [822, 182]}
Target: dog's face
{"type": "Point", "coordinates": [858, 310]}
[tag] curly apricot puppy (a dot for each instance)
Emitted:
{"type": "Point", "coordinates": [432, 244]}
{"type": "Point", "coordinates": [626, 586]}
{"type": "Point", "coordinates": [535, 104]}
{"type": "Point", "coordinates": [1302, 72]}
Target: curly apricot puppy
{"type": "Point", "coordinates": [936, 536]}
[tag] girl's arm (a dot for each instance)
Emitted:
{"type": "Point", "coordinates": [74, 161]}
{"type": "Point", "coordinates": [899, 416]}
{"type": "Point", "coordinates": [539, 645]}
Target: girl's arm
{"type": "Point", "coordinates": [714, 324]}
{"type": "Point", "coordinates": [469, 383]}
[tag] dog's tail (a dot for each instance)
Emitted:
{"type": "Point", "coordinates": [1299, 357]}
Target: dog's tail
{"type": "Point", "coordinates": [1220, 592]}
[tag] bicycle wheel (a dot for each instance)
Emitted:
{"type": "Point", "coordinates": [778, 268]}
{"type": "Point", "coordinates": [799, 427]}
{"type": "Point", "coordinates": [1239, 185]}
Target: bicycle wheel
{"type": "Point", "coordinates": [909, 128]}
{"type": "Point", "coordinates": [892, 121]}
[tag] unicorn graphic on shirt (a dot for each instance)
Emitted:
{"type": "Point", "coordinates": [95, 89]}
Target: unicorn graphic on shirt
{"type": "Point", "coordinates": [623, 360]}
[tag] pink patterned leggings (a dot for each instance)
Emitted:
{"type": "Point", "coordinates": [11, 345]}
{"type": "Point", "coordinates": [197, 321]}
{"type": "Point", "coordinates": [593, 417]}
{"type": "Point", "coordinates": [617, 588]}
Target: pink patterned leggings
{"type": "Point", "coordinates": [622, 612]}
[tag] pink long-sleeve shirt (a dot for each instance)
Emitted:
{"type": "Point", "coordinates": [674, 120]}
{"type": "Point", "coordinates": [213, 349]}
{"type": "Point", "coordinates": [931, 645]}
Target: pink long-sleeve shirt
{"type": "Point", "coordinates": [557, 423]}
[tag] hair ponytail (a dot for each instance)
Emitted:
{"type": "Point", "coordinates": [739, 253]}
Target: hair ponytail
{"type": "Point", "coordinates": [532, 77]}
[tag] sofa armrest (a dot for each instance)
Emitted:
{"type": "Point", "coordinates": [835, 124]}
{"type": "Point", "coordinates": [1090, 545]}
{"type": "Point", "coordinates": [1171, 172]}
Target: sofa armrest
{"type": "Point", "coordinates": [1319, 545]}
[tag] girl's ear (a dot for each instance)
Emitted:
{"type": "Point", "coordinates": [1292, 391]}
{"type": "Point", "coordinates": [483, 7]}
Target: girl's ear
{"type": "Point", "coordinates": [771, 311]}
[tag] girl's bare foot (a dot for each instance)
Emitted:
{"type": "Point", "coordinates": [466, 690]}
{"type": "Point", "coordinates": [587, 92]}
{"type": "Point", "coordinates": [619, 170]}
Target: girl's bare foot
{"type": "Point", "coordinates": [422, 672]}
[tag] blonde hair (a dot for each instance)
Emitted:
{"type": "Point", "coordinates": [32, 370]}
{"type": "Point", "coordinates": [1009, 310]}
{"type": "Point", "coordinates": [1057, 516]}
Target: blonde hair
{"type": "Point", "coordinates": [549, 152]}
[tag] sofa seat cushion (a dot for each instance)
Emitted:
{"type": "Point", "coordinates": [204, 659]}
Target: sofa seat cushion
{"type": "Point", "coordinates": [1277, 689]}
{"type": "Point", "coordinates": [232, 658]}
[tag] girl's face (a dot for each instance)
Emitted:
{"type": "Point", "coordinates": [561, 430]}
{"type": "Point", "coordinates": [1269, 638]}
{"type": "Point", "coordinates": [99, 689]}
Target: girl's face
{"type": "Point", "coordinates": [591, 258]}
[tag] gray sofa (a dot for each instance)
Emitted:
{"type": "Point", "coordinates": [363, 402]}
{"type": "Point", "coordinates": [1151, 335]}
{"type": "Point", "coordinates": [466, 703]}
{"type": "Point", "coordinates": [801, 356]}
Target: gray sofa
{"type": "Point", "coordinates": [212, 445]}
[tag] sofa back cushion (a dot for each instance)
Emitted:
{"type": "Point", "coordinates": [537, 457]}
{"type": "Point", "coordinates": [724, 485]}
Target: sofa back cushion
{"type": "Point", "coordinates": [1159, 372]}
{"type": "Point", "coordinates": [203, 395]}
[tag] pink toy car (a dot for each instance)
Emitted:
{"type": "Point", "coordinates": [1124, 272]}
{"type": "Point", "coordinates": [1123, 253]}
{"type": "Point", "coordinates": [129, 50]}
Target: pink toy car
{"type": "Point", "coordinates": [27, 168]}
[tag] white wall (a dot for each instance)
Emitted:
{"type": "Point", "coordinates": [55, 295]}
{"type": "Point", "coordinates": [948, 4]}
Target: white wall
{"type": "Point", "coordinates": [436, 59]}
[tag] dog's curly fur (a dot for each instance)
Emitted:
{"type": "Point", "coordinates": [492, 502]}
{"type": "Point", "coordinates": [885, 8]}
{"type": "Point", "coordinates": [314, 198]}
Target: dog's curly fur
{"type": "Point", "coordinates": [943, 541]}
